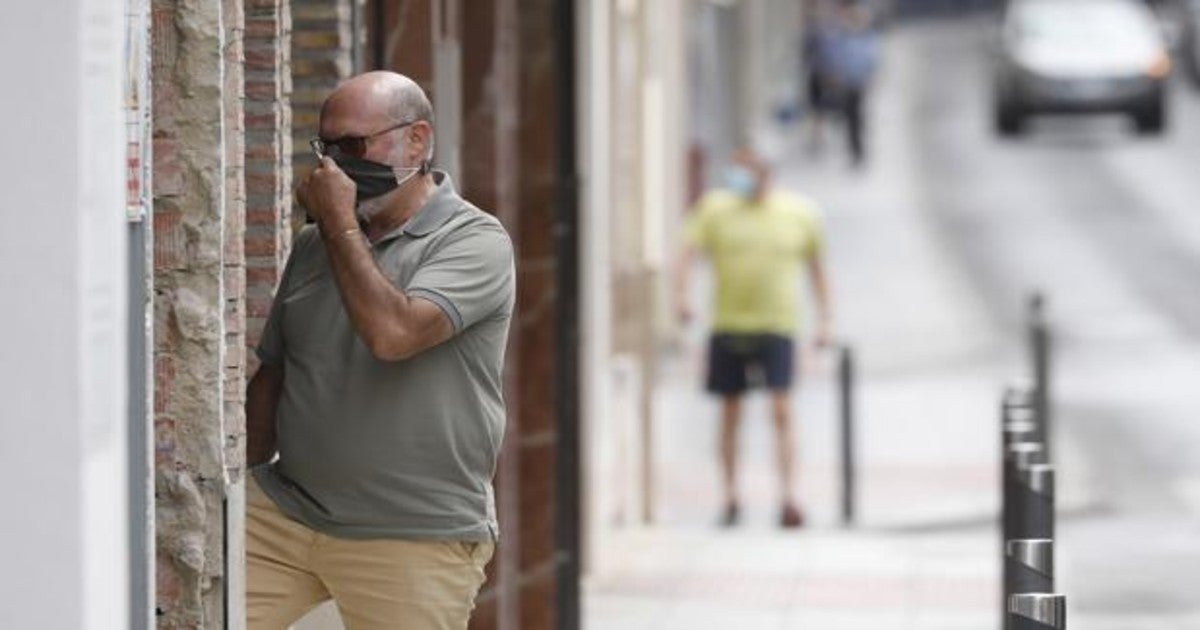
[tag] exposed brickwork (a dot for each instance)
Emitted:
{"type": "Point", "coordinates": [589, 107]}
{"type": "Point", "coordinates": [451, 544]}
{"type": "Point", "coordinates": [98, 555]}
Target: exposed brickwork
{"type": "Point", "coordinates": [268, 159]}
{"type": "Point", "coordinates": [321, 46]}
{"type": "Point", "coordinates": [196, 55]}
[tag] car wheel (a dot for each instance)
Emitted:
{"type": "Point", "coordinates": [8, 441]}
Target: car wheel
{"type": "Point", "coordinates": [1151, 118]}
{"type": "Point", "coordinates": [1009, 121]}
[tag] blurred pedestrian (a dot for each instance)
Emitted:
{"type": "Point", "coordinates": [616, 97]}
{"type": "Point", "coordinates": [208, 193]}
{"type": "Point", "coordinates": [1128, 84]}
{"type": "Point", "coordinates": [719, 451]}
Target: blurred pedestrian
{"type": "Point", "coordinates": [374, 421]}
{"type": "Point", "coordinates": [761, 241]}
{"type": "Point", "coordinates": [815, 58]}
{"type": "Point", "coordinates": [852, 58]}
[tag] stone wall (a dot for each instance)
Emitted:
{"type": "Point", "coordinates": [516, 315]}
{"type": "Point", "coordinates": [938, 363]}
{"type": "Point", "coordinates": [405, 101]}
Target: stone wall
{"type": "Point", "coordinates": [198, 194]}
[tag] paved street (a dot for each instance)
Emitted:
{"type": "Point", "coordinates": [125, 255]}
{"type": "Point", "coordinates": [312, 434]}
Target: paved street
{"type": "Point", "coordinates": [1106, 223]}
{"type": "Point", "coordinates": [933, 251]}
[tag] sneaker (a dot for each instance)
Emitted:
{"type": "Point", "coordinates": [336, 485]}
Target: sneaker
{"type": "Point", "coordinates": [791, 517]}
{"type": "Point", "coordinates": [731, 515]}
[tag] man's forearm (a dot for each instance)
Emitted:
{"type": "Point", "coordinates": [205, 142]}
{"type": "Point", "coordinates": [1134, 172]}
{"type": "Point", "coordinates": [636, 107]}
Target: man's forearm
{"type": "Point", "coordinates": [820, 287]}
{"type": "Point", "coordinates": [262, 400]}
{"type": "Point", "coordinates": [376, 307]}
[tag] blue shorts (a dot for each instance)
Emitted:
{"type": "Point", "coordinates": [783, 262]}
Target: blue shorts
{"type": "Point", "coordinates": [737, 362]}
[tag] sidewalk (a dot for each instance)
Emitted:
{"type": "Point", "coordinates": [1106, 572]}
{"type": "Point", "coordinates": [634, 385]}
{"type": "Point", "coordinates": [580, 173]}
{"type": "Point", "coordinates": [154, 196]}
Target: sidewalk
{"type": "Point", "coordinates": [931, 368]}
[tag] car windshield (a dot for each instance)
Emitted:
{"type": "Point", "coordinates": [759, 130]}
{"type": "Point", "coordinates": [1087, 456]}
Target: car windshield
{"type": "Point", "coordinates": [1082, 24]}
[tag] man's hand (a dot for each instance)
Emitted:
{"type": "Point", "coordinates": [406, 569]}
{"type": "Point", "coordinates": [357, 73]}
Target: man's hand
{"type": "Point", "coordinates": [328, 195]}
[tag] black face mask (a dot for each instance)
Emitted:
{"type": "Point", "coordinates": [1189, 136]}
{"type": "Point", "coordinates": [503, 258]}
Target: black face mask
{"type": "Point", "coordinates": [371, 179]}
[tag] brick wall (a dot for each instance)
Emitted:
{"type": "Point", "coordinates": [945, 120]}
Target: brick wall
{"type": "Point", "coordinates": [190, 183]}
{"type": "Point", "coordinates": [268, 156]}
{"type": "Point", "coordinates": [321, 56]}
{"type": "Point", "coordinates": [221, 190]}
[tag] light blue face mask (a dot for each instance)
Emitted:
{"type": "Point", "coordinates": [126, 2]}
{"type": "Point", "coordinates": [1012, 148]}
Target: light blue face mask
{"type": "Point", "coordinates": [741, 180]}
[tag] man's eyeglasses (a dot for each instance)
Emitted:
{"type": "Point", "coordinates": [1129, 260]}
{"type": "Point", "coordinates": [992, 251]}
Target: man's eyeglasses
{"type": "Point", "coordinates": [354, 146]}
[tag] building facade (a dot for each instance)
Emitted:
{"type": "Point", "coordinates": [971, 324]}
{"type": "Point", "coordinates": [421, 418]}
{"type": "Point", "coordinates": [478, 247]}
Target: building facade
{"type": "Point", "coordinates": [191, 120]}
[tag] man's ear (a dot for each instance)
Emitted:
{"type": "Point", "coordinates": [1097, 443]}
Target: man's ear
{"type": "Point", "coordinates": [422, 137]}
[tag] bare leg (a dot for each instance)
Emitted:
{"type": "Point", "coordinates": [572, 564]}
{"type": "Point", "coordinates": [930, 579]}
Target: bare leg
{"type": "Point", "coordinates": [731, 411]}
{"type": "Point", "coordinates": [785, 448]}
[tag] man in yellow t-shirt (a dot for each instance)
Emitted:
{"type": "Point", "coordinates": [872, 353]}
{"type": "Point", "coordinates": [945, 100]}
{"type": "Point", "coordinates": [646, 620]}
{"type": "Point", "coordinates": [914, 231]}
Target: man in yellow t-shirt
{"type": "Point", "coordinates": [761, 241]}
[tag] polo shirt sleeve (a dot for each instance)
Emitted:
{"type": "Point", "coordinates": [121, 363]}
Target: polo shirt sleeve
{"type": "Point", "coordinates": [814, 232]}
{"type": "Point", "coordinates": [270, 344]}
{"type": "Point", "coordinates": [470, 276]}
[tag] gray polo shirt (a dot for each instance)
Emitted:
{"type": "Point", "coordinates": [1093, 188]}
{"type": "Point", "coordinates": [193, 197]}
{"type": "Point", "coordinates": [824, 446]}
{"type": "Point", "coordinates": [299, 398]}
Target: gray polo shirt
{"type": "Point", "coordinates": [402, 449]}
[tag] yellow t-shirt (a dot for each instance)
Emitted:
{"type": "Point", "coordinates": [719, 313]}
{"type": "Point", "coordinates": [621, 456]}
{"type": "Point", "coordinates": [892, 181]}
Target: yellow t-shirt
{"type": "Point", "coordinates": [757, 250]}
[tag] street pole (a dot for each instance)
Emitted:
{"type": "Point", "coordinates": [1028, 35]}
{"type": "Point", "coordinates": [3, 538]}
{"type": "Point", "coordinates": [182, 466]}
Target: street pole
{"type": "Point", "coordinates": [1029, 567]}
{"type": "Point", "coordinates": [1033, 504]}
{"type": "Point", "coordinates": [1017, 452]}
{"type": "Point", "coordinates": [1018, 456]}
{"type": "Point", "coordinates": [1039, 353]}
{"type": "Point", "coordinates": [846, 407]}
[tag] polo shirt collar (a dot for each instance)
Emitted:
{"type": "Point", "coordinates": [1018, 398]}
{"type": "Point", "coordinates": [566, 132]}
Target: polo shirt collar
{"type": "Point", "coordinates": [441, 205]}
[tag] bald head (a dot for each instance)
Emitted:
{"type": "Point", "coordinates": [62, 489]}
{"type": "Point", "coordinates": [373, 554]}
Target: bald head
{"type": "Point", "coordinates": [386, 113]}
{"type": "Point", "coordinates": [380, 97]}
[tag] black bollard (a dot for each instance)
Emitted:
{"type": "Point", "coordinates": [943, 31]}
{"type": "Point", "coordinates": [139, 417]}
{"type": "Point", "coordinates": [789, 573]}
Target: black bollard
{"type": "Point", "coordinates": [1037, 611]}
{"type": "Point", "coordinates": [1012, 432]}
{"type": "Point", "coordinates": [1029, 567]}
{"type": "Point", "coordinates": [846, 379]}
{"type": "Point", "coordinates": [1017, 456]}
{"type": "Point", "coordinates": [1017, 453]}
{"type": "Point", "coordinates": [1019, 395]}
{"type": "Point", "coordinates": [1033, 502]}
{"type": "Point", "coordinates": [1040, 357]}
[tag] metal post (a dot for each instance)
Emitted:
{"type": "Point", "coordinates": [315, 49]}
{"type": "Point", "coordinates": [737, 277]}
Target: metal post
{"type": "Point", "coordinates": [1029, 567]}
{"type": "Point", "coordinates": [1017, 452]}
{"type": "Point", "coordinates": [1013, 432]}
{"type": "Point", "coordinates": [1018, 395]}
{"type": "Point", "coordinates": [1016, 457]}
{"type": "Point", "coordinates": [1037, 611]}
{"type": "Point", "coordinates": [1039, 353]}
{"type": "Point", "coordinates": [1018, 429]}
{"type": "Point", "coordinates": [846, 380]}
{"type": "Point", "coordinates": [1033, 502]}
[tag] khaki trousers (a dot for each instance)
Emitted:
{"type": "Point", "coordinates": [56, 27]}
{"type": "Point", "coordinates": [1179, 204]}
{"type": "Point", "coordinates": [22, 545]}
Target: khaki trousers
{"type": "Point", "coordinates": [377, 584]}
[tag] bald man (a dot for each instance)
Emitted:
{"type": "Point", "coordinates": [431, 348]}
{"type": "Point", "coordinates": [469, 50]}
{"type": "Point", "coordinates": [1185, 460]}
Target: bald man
{"type": "Point", "coordinates": [375, 418]}
{"type": "Point", "coordinates": [762, 242]}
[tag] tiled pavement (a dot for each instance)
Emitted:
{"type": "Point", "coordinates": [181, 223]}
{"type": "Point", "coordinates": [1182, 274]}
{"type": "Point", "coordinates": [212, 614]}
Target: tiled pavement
{"type": "Point", "coordinates": [819, 579]}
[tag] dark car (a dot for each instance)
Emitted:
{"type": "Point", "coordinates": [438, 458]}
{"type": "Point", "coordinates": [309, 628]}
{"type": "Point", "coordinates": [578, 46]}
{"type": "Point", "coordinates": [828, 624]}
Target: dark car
{"type": "Point", "coordinates": [1081, 56]}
